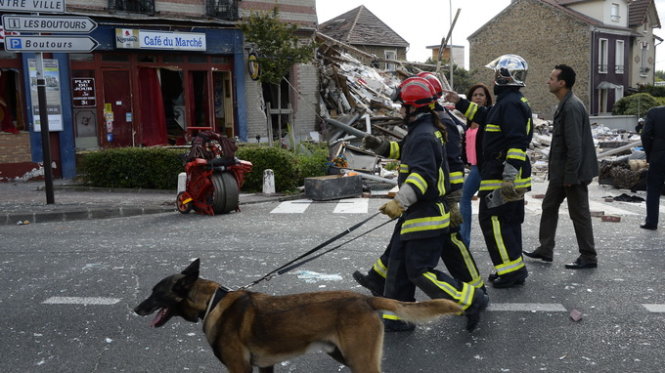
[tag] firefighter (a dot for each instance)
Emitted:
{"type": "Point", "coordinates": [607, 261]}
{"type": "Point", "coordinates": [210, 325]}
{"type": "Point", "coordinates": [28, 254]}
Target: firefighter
{"type": "Point", "coordinates": [415, 246]}
{"type": "Point", "coordinates": [505, 169]}
{"type": "Point", "coordinates": [455, 255]}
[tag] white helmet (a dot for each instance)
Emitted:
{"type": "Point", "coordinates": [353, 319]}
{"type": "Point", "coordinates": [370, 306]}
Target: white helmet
{"type": "Point", "coordinates": [509, 70]}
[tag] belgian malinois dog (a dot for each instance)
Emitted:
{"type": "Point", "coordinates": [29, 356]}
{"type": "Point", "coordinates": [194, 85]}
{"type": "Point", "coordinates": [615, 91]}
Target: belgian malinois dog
{"type": "Point", "coordinates": [247, 329]}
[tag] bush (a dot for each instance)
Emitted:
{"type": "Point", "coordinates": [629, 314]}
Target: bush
{"type": "Point", "coordinates": [151, 168]}
{"type": "Point", "coordinates": [637, 104]}
{"type": "Point", "coordinates": [281, 161]}
{"type": "Point", "coordinates": [312, 165]}
{"type": "Point", "coordinates": [158, 168]}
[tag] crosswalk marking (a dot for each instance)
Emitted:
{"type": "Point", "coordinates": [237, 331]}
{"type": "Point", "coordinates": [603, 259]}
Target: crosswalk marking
{"type": "Point", "coordinates": [297, 206]}
{"type": "Point", "coordinates": [533, 205]}
{"type": "Point", "coordinates": [86, 301]}
{"type": "Point", "coordinates": [527, 307]}
{"type": "Point", "coordinates": [656, 308]}
{"type": "Point", "coordinates": [352, 206]}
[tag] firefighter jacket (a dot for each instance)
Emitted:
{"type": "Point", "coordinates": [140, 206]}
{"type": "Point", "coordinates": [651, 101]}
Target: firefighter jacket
{"type": "Point", "coordinates": [508, 132]}
{"type": "Point", "coordinates": [453, 147]}
{"type": "Point", "coordinates": [423, 167]}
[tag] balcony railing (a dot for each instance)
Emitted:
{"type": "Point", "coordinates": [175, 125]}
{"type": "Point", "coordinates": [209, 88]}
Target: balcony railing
{"type": "Point", "coordinates": [223, 9]}
{"type": "Point", "coordinates": [602, 68]}
{"type": "Point", "coordinates": [133, 6]}
{"type": "Point", "coordinates": [618, 69]}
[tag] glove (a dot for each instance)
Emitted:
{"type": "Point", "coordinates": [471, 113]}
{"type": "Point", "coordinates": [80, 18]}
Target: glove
{"type": "Point", "coordinates": [378, 145]}
{"type": "Point", "coordinates": [455, 215]}
{"type": "Point", "coordinates": [509, 192]}
{"type": "Point", "coordinates": [452, 199]}
{"type": "Point", "coordinates": [392, 208]}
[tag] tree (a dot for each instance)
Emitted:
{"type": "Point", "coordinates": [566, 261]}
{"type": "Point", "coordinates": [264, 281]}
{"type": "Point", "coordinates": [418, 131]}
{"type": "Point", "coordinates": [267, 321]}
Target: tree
{"type": "Point", "coordinates": [277, 45]}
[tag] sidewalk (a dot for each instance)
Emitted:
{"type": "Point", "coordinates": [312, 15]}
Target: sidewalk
{"type": "Point", "coordinates": [22, 202]}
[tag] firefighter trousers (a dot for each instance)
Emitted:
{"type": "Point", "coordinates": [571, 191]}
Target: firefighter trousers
{"type": "Point", "coordinates": [455, 255]}
{"type": "Point", "coordinates": [412, 264]}
{"type": "Point", "coordinates": [502, 230]}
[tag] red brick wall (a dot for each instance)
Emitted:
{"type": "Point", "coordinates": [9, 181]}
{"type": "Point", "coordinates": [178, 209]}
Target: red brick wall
{"type": "Point", "coordinates": [15, 148]}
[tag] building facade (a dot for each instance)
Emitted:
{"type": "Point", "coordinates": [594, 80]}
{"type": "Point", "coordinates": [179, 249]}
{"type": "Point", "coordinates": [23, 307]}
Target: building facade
{"type": "Point", "coordinates": [162, 71]}
{"type": "Point", "coordinates": [595, 37]}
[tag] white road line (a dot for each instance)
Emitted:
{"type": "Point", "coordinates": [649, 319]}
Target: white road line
{"type": "Point", "coordinates": [352, 206]}
{"type": "Point", "coordinates": [657, 308]}
{"type": "Point", "coordinates": [95, 301]}
{"type": "Point", "coordinates": [297, 206]}
{"type": "Point", "coordinates": [527, 307]}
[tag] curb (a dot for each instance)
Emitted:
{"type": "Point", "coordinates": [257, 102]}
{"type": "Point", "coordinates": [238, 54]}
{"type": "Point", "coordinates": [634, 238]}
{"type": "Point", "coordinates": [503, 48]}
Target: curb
{"type": "Point", "coordinates": [89, 213]}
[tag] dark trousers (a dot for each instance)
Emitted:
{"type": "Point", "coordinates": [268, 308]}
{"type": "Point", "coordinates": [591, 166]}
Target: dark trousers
{"type": "Point", "coordinates": [502, 230]}
{"type": "Point", "coordinates": [578, 210]}
{"type": "Point", "coordinates": [655, 181]}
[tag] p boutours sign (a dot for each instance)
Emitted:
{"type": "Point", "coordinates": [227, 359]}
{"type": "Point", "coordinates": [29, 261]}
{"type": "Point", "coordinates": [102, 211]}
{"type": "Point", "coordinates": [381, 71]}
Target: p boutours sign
{"type": "Point", "coordinates": [160, 40]}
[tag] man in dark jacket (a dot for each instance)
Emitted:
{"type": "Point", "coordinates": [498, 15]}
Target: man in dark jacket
{"type": "Point", "coordinates": [572, 166]}
{"type": "Point", "coordinates": [653, 140]}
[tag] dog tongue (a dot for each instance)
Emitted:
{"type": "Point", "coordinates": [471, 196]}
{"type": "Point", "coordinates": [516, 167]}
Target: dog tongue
{"type": "Point", "coordinates": [158, 318]}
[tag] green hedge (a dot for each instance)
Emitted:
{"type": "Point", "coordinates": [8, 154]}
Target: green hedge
{"type": "Point", "coordinates": [158, 168]}
{"type": "Point", "coordinates": [151, 168]}
{"type": "Point", "coordinates": [636, 104]}
{"type": "Point", "coordinates": [290, 169]}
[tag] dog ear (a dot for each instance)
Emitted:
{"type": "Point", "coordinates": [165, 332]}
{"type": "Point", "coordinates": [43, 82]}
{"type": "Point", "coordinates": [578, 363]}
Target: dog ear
{"type": "Point", "coordinates": [192, 269]}
{"type": "Point", "coordinates": [187, 280]}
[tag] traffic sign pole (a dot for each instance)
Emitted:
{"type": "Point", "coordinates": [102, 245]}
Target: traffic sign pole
{"type": "Point", "coordinates": [43, 125]}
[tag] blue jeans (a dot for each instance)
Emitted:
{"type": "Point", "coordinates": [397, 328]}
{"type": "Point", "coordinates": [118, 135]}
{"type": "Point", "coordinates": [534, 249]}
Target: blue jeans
{"type": "Point", "coordinates": [471, 186]}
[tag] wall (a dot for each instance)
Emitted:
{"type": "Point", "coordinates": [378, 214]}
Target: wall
{"type": "Point", "coordinates": [555, 38]}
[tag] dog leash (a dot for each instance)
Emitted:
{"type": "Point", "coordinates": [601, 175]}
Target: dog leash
{"type": "Point", "coordinates": [296, 265]}
{"type": "Point", "coordinates": [289, 264]}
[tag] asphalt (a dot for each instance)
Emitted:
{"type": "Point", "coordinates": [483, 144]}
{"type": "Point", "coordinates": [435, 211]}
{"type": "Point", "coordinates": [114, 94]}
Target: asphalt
{"type": "Point", "coordinates": [25, 202]}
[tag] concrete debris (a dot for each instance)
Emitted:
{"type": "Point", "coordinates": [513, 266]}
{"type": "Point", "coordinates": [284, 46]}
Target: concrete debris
{"type": "Point", "coordinates": [575, 315]}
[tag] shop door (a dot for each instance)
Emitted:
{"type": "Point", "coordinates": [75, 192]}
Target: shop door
{"type": "Point", "coordinates": [224, 103]}
{"type": "Point", "coordinates": [118, 109]}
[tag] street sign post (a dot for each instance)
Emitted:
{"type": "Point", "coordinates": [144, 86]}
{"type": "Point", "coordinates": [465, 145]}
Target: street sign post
{"type": "Point", "coordinates": [33, 6]}
{"type": "Point", "coordinates": [47, 44]}
{"type": "Point", "coordinates": [51, 24]}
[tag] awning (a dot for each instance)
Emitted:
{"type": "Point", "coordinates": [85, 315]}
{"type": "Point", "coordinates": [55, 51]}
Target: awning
{"type": "Point", "coordinates": [607, 85]}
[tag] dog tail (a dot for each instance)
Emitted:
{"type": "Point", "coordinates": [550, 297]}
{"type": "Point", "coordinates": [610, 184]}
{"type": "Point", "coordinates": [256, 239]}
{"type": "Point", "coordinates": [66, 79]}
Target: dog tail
{"type": "Point", "coordinates": [417, 312]}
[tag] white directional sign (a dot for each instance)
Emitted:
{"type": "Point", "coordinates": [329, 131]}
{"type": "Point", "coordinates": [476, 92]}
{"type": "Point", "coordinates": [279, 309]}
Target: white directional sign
{"type": "Point", "coordinates": [63, 44]}
{"type": "Point", "coordinates": [56, 24]}
{"type": "Point", "coordinates": [33, 6]}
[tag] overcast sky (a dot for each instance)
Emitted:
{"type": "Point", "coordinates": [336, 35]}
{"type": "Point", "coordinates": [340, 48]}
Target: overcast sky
{"type": "Point", "coordinates": [425, 22]}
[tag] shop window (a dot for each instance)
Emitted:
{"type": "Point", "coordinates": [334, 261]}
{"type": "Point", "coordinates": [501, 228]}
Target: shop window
{"type": "Point", "coordinates": [222, 87]}
{"type": "Point", "coordinates": [220, 60]}
{"type": "Point", "coordinates": [83, 57]}
{"type": "Point", "coordinates": [84, 106]}
{"type": "Point", "coordinates": [133, 6]}
{"type": "Point", "coordinates": [12, 118]}
{"type": "Point", "coordinates": [198, 58]}
{"type": "Point", "coordinates": [198, 99]}
{"type": "Point", "coordinates": [147, 58]}
{"type": "Point", "coordinates": [4, 55]}
{"type": "Point", "coordinates": [173, 58]}
{"type": "Point", "coordinates": [174, 105]}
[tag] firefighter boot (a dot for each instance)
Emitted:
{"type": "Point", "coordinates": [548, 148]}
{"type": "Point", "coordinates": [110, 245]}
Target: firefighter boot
{"type": "Point", "coordinates": [372, 281]}
{"type": "Point", "coordinates": [479, 304]}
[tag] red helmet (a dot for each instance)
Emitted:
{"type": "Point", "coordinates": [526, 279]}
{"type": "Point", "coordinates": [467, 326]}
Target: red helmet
{"type": "Point", "coordinates": [434, 81]}
{"type": "Point", "coordinates": [416, 92]}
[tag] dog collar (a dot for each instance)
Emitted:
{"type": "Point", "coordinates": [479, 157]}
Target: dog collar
{"type": "Point", "coordinates": [216, 298]}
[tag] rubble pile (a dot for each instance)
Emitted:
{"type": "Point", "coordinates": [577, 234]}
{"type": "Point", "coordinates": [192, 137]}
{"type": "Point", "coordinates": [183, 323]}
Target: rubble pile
{"type": "Point", "coordinates": [357, 95]}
